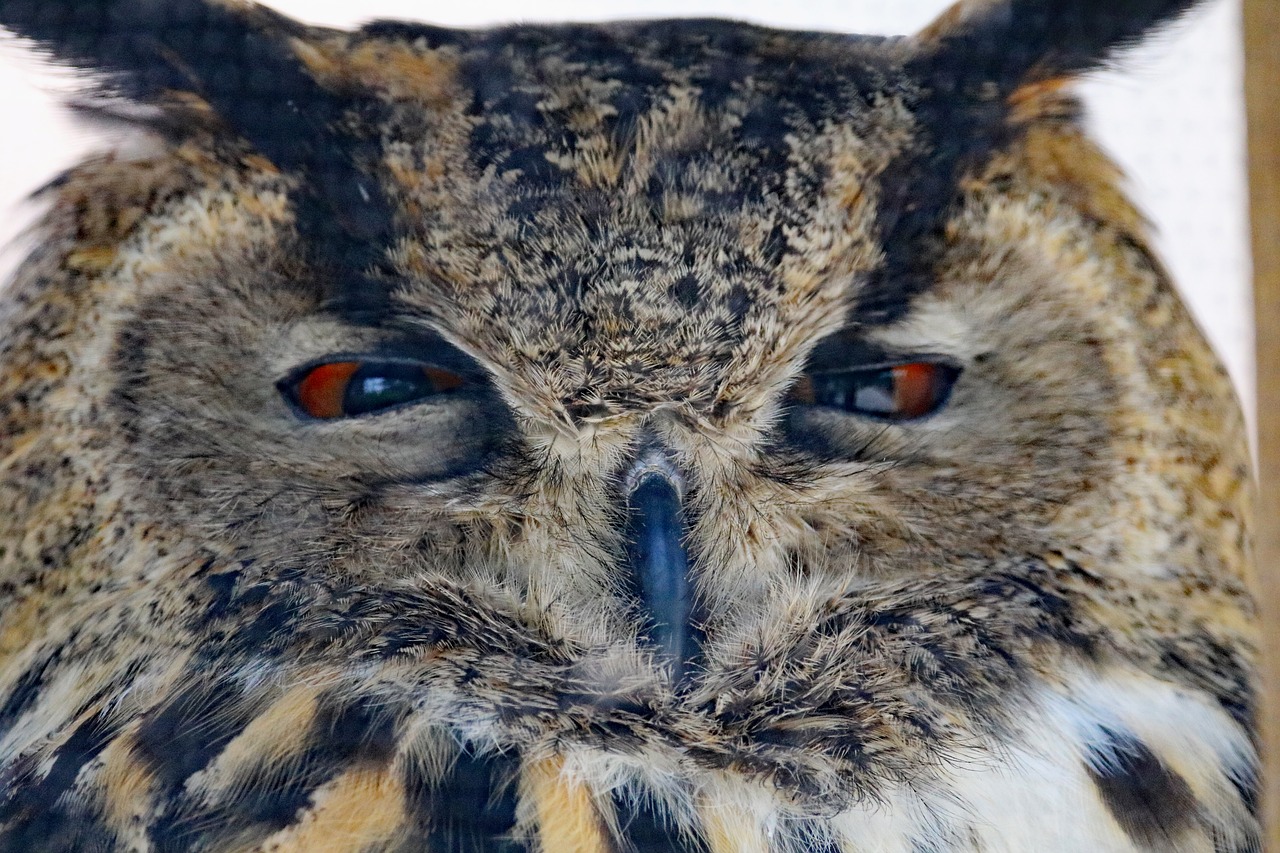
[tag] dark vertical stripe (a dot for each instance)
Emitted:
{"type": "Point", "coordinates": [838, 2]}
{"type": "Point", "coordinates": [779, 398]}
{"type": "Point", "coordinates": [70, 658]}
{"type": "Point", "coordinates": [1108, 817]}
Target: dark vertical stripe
{"type": "Point", "coordinates": [344, 733]}
{"type": "Point", "coordinates": [1152, 803]}
{"type": "Point", "coordinates": [43, 815]}
{"type": "Point", "coordinates": [644, 830]}
{"type": "Point", "coordinates": [472, 810]}
{"type": "Point", "coordinates": [26, 690]}
{"type": "Point", "coordinates": [191, 730]}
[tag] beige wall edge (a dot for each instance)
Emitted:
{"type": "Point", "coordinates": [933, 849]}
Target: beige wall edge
{"type": "Point", "coordinates": [1262, 85]}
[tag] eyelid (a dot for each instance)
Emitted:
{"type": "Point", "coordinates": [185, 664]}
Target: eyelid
{"type": "Point", "coordinates": [887, 362]}
{"type": "Point", "coordinates": [462, 365]}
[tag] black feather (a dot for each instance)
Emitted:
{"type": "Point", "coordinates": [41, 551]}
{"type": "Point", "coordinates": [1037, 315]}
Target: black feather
{"type": "Point", "coordinates": [1150, 801]}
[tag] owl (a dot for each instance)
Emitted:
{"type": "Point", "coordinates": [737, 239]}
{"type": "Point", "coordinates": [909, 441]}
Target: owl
{"type": "Point", "coordinates": [653, 436]}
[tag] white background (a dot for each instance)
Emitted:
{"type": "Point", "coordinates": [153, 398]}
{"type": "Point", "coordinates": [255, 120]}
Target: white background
{"type": "Point", "coordinates": [1173, 116]}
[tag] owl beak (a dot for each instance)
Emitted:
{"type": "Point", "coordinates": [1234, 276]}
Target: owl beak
{"type": "Point", "coordinates": [659, 561]}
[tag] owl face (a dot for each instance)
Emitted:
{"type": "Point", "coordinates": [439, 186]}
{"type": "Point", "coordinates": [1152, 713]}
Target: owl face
{"type": "Point", "coordinates": [753, 423]}
{"type": "Point", "coordinates": [696, 242]}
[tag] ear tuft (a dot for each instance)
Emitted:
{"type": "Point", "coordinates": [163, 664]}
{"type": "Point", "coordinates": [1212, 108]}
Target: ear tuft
{"type": "Point", "coordinates": [232, 56]}
{"type": "Point", "coordinates": [240, 59]}
{"type": "Point", "coordinates": [1010, 43]}
{"type": "Point", "coordinates": [219, 51]}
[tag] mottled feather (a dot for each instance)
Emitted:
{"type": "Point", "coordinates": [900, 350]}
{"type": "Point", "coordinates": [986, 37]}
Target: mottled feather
{"type": "Point", "coordinates": [1014, 616]}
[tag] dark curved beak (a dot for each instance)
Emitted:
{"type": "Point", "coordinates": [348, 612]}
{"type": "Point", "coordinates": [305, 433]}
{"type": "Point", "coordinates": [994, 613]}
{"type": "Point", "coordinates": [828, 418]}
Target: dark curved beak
{"type": "Point", "coordinates": [659, 564]}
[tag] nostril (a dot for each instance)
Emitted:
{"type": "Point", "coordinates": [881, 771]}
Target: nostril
{"type": "Point", "coordinates": [659, 561]}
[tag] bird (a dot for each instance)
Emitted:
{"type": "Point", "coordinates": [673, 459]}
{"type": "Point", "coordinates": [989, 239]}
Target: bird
{"type": "Point", "coordinates": [673, 435]}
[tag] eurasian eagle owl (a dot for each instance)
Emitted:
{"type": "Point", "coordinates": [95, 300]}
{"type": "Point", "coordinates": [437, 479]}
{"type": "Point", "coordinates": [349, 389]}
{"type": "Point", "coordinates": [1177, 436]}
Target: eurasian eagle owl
{"type": "Point", "coordinates": [673, 435]}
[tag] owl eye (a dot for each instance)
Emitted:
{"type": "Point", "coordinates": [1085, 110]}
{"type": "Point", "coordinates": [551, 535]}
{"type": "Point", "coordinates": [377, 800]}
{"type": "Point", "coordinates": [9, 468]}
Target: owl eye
{"type": "Point", "coordinates": [899, 392]}
{"type": "Point", "coordinates": [345, 389]}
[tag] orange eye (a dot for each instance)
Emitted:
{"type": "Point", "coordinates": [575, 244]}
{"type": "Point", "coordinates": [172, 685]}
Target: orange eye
{"type": "Point", "coordinates": [322, 389]}
{"type": "Point", "coordinates": [343, 389]}
{"type": "Point", "coordinates": [899, 392]}
{"type": "Point", "coordinates": [917, 389]}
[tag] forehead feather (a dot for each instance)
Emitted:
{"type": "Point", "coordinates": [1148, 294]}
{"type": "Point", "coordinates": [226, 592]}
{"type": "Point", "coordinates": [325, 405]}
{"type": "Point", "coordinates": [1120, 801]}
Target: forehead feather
{"type": "Point", "coordinates": [592, 177]}
{"type": "Point", "coordinates": [628, 175]}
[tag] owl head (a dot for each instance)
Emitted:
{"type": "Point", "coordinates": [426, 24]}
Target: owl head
{"type": "Point", "coordinates": [790, 421]}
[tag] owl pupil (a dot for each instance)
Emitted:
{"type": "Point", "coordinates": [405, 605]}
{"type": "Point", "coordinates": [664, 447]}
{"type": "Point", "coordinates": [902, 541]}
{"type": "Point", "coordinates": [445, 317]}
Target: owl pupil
{"type": "Point", "coordinates": [876, 396]}
{"type": "Point", "coordinates": [380, 386]}
{"type": "Point", "coordinates": [900, 392]}
{"type": "Point", "coordinates": [869, 392]}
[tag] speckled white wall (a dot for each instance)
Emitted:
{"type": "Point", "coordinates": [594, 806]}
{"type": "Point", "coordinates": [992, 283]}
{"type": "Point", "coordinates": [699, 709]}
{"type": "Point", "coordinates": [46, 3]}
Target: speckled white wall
{"type": "Point", "coordinates": [1173, 117]}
